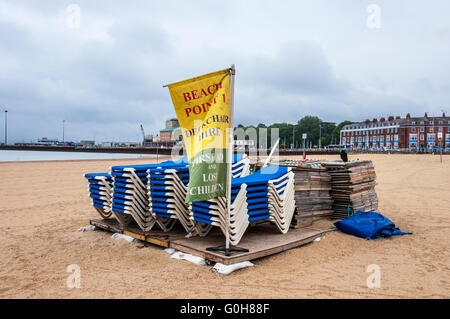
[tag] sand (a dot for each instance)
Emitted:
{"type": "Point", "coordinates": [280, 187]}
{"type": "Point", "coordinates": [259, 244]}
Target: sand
{"type": "Point", "coordinates": [43, 204]}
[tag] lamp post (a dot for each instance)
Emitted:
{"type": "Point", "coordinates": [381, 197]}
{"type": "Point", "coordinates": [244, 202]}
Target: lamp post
{"type": "Point", "coordinates": [293, 137]}
{"type": "Point", "coordinates": [6, 127]}
{"type": "Point", "coordinates": [64, 121]}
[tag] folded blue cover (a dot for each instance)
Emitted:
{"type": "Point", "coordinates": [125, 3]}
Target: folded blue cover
{"type": "Point", "coordinates": [369, 225]}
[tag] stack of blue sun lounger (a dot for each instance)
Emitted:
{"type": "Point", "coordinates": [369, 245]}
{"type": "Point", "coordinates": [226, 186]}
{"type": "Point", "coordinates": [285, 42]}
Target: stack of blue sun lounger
{"type": "Point", "coordinates": [241, 165]}
{"type": "Point", "coordinates": [167, 192]}
{"type": "Point", "coordinates": [100, 191]}
{"type": "Point", "coordinates": [167, 189]}
{"type": "Point", "coordinates": [267, 195]}
{"type": "Point", "coordinates": [130, 196]}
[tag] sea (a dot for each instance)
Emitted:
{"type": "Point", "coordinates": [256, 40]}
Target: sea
{"type": "Point", "coordinates": [19, 156]}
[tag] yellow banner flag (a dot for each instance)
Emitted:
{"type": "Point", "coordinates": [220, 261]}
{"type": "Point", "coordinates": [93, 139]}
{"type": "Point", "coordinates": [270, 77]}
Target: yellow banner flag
{"type": "Point", "coordinates": [202, 105]}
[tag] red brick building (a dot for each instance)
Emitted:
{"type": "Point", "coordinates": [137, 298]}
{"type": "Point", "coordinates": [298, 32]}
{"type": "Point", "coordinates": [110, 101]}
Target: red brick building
{"type": "Point", "coordinates": [410, 133]}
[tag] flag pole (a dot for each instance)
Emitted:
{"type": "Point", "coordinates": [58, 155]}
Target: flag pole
{"type": "Point", "coordinates": [230, 158]}
{"type": "Point", "coordinates": [228, 249]}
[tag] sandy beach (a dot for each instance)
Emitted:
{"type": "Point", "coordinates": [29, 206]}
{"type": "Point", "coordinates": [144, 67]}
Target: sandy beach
{"type": "Point", "coordinates": [43, 204]}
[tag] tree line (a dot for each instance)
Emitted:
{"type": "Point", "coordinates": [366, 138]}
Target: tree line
{"type": "Point", "coordinates": [313, 126]}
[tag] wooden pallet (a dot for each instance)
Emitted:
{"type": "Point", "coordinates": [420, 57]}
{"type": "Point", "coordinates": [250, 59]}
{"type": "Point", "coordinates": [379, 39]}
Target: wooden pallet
{"type": "Point", "coordinates": [155, 237]}
{"type": "Point", "coordinates": [261, 240]}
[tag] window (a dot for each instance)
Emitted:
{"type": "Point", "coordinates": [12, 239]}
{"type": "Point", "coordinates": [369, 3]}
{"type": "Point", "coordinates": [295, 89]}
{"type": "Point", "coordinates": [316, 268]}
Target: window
{"type": "Point", "coordinates": [440, 129]}
{"type": "Point", "coordinates": [413, 129]}
{"type": "Point", "coordinates": [431, 130]}
{"type": "Point", "coordinates": [395, 130]}
{"type": "Point", "coordinates": [422, 137]}
{"type": "Point", "coordinates": [422, 129]}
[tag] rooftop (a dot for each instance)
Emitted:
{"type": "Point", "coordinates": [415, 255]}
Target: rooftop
{"type": "Point", "coordinates": [168, 129]}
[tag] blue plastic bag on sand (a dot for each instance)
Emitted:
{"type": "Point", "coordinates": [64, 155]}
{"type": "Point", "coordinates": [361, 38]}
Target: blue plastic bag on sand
{"type": "Point", "coordinates": [369, 225]}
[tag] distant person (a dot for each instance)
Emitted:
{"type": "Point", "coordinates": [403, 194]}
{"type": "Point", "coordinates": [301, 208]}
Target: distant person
{"type": "Point", "coordinates": [344, 157]}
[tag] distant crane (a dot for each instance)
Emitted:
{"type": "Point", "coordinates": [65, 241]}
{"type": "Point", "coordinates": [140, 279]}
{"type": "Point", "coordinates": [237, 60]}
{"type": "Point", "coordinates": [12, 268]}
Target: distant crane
{"type": "Point", "coordinates": [143, 135]}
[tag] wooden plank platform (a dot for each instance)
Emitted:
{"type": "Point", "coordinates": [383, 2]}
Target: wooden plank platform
{"type": "Point", "coordinates": [261, 240]}
{"type": "Point", "coordinates": [156, 237]}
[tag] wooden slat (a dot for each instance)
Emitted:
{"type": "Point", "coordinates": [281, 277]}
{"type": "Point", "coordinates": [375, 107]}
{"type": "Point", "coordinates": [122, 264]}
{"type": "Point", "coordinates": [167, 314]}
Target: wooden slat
{"type": "Point", "coordinates": [160, 241]}
{"type": "Point", "coordinates": [110, 224]}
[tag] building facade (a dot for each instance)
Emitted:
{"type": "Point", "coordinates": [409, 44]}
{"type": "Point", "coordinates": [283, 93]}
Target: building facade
{"type": "Point", "coordinates": [409, 133]}
{"type": "Point", "coordinates": [172, 132]}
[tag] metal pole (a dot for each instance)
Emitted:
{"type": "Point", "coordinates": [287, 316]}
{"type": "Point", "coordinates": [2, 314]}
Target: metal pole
{"type": "Point", "coordinates": [304, 148]}
{"type": "Point", "coordinates": [6, 127]}
{"type": "Point", "coordinates": [271, 153]}
{"type": "Point", "coordinates": [230, 159]}
{"type": "Point", "coordinates": [293, 137]}
{"type": "Point", "coordinates": [63, 130]}
{"type": "Point", "coordinates": [157, 149]}
{"type": "Point", "coordinates": [320, 136]}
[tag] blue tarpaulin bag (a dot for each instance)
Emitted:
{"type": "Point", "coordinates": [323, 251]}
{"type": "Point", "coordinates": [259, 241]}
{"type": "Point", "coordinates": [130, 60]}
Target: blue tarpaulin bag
{"type": "Point", "coordinates": [369, 225]}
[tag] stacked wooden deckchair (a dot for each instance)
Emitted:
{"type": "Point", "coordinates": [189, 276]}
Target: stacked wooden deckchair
{"type": "Point", "coordinates": [100, 191]}
{"type": "Point", "coordinates": [267, 195]}
{"type": "Point", "coordinates": [167, 189]}
{"type": "Point", "coordinates": [352, 187]}
{"type": "Point", "coordinates": [312, 191]}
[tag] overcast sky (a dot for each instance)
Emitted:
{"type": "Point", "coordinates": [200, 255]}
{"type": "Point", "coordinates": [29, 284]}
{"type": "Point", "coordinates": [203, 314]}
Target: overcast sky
{"type": "Point", "coordinates": [293, 58]}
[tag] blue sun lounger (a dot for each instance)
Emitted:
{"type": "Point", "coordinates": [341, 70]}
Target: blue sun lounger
{"type": "Point", "coordinates": [267, 195]}
{"type": "Point", "coordinates": [130, 198]}
{"type": "Point", "coordinates": [167, 189]}
{"type": "Point", "coordinates": [100, 192]}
